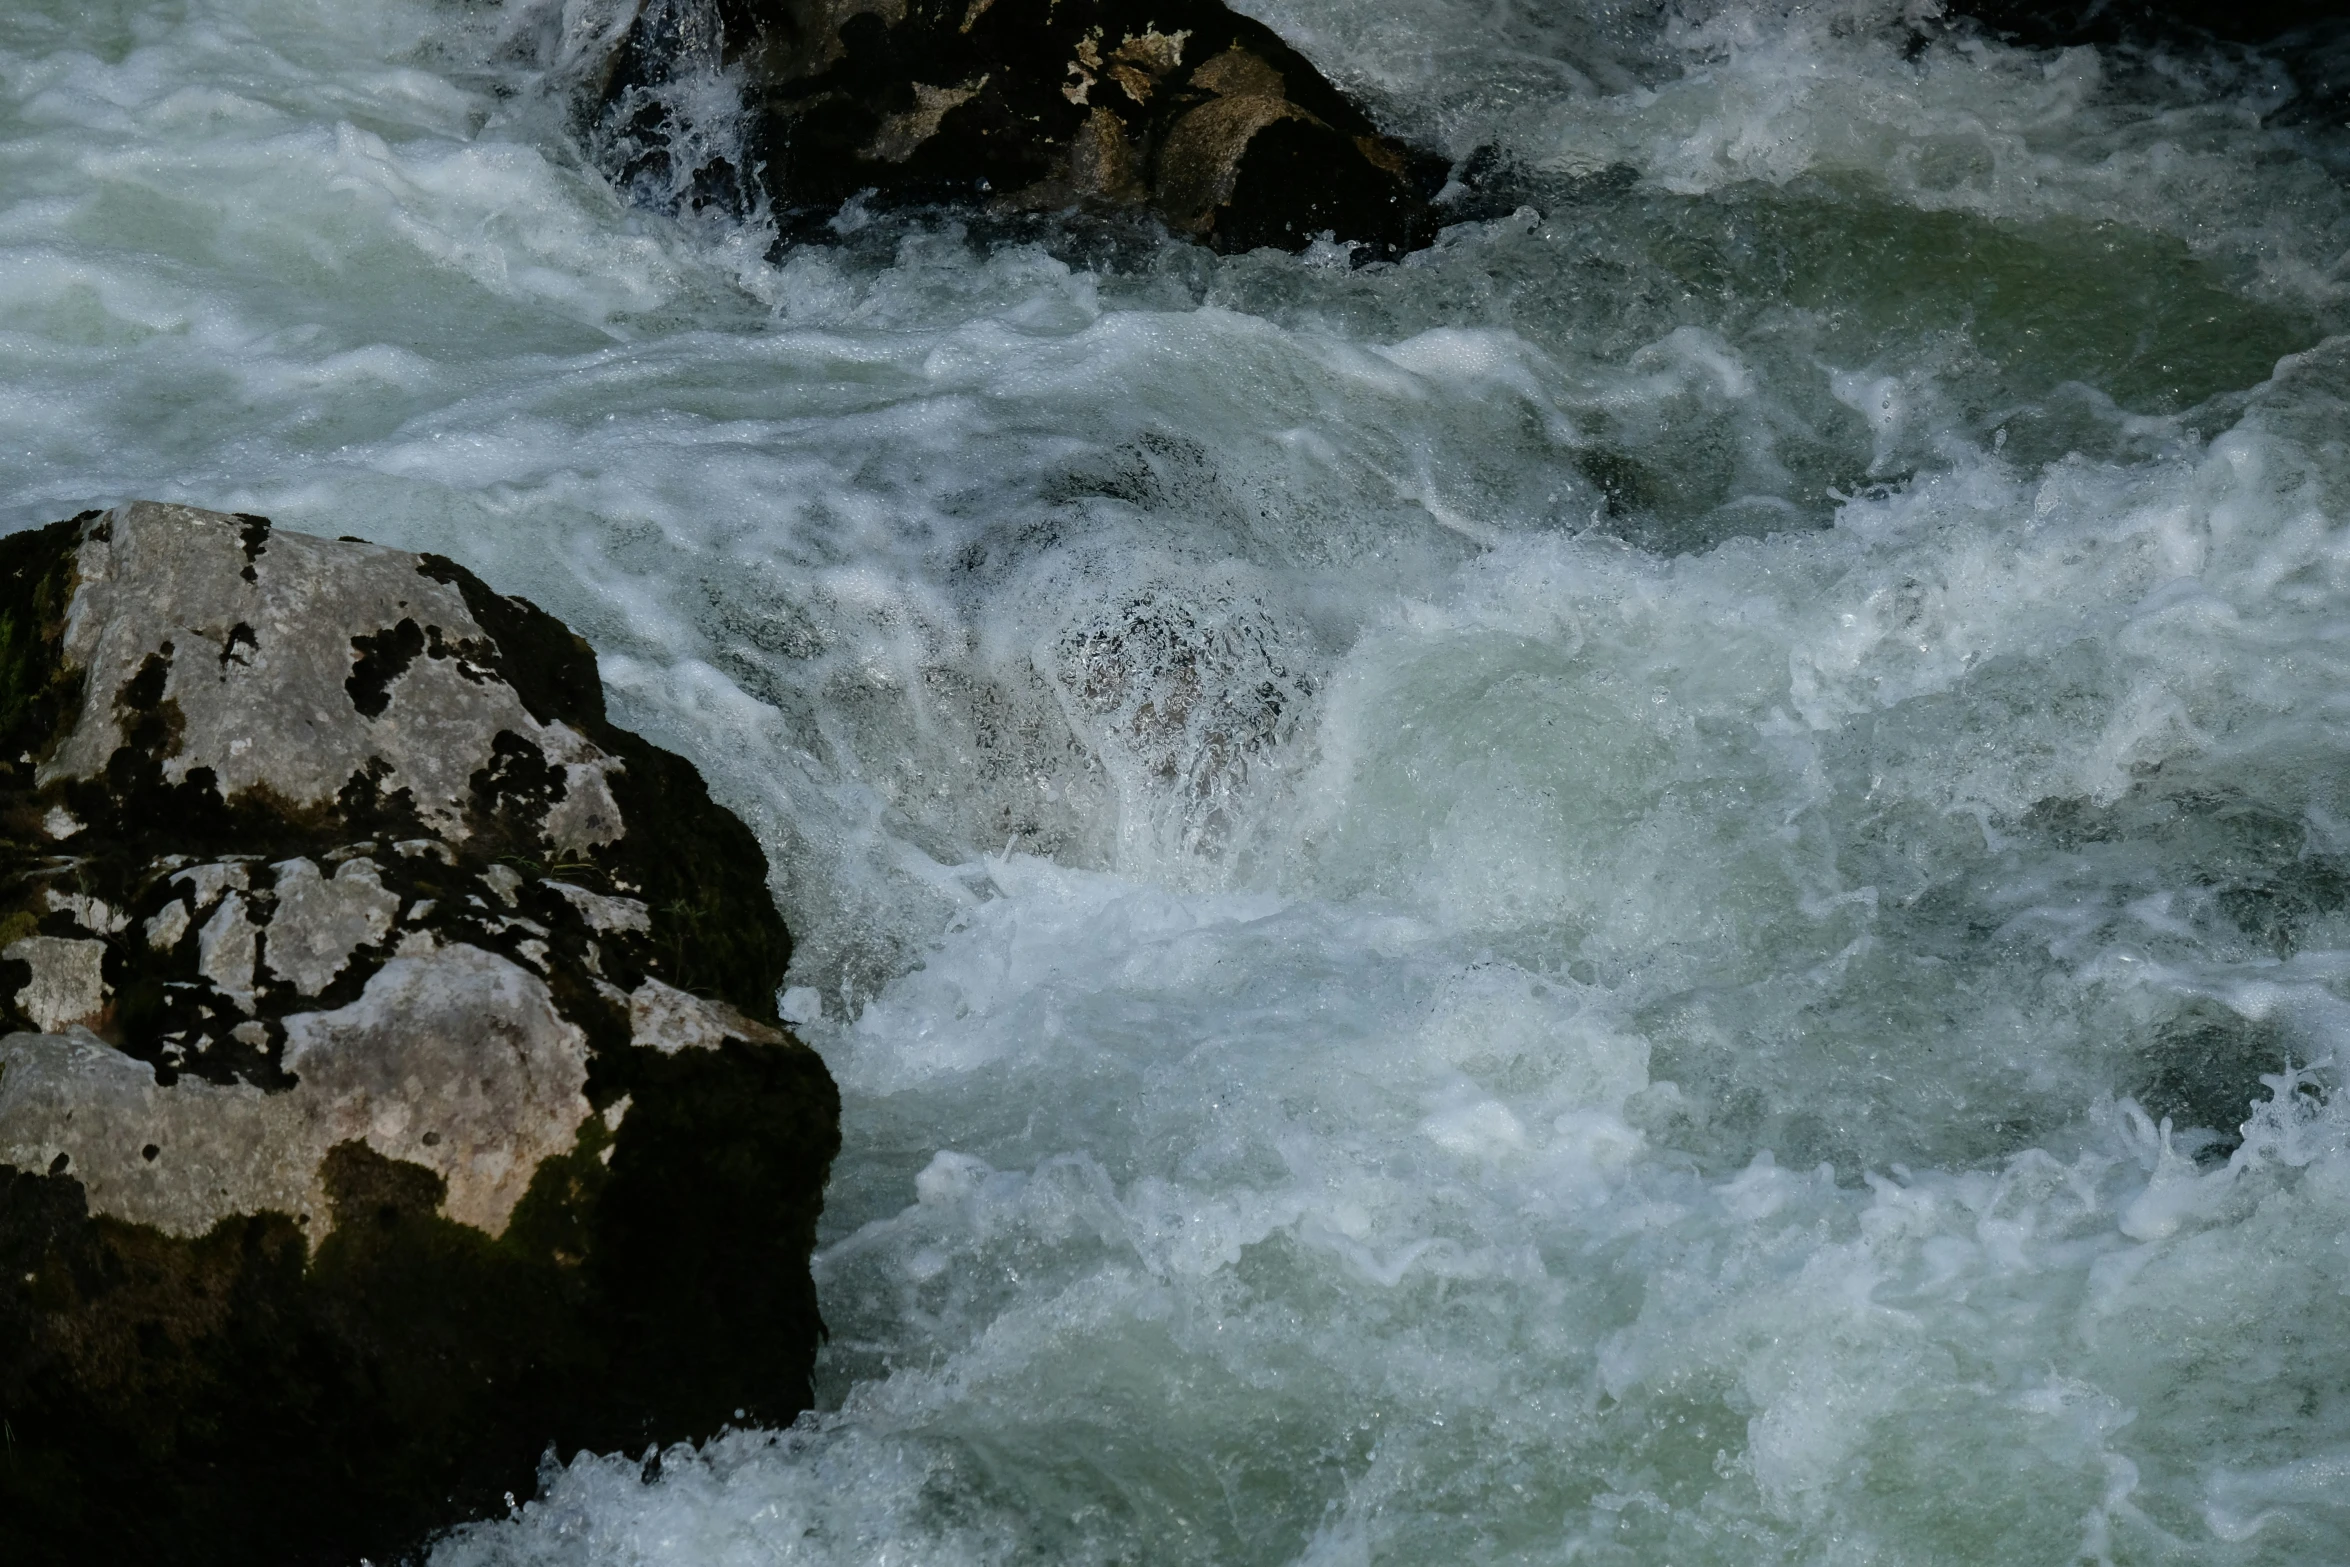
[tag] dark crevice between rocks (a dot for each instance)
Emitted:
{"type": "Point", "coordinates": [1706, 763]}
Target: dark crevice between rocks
{"type": "Point", "coordinates": [38, 694]}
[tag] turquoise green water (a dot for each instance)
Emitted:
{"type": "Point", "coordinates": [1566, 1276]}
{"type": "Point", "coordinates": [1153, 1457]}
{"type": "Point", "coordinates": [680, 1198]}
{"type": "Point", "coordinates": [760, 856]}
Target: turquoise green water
{"type": "Point", "coordinates": [1544, 905]}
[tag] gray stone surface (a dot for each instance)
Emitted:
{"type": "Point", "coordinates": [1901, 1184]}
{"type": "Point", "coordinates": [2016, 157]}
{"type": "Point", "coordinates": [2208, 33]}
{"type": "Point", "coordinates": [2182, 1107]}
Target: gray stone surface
{"type": "Point", "coordinates": [457, 1061]}
{"type": "Point", "coordinates": [665, 1018]}
{"type": "Point", "coordinates": [320, 923]}
{"type": "Point", "coordinates": [604, 914]}
{"type": "Point", "coordinates": [226, 949]}
{"type": "Point", "coordinates": [255, 638]}
{"type": "Point", "coordinates": [396, 996]}
{"type": "Point", "coordinates": [67, 984]}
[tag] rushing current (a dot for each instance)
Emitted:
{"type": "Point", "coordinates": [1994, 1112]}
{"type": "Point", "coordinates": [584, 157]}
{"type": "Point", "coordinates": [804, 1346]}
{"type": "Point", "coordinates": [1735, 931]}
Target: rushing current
{"type": "Point", "coordinates": [1668, 885]}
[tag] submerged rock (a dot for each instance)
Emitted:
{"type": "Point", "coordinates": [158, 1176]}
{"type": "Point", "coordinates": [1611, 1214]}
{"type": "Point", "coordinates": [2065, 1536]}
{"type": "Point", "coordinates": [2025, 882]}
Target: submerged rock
{"type": "Point", "coordinates": [1179, 107]}
{"type": "Point", "coordinates": [395, 1089]}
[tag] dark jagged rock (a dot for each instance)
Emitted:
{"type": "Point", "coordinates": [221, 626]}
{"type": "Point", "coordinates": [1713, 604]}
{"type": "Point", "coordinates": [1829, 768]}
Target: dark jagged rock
{"type": "Point", "coordinates": [2302, 46]}
{"type": "Point", "coordinates": [1180, 107]}
{"type": "Point", "coordinates": [394, 1089]}
{"type": "Point", "coordinates": [2060, 23]}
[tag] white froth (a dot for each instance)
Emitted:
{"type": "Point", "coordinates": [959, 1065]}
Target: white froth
{"type": "Point", "coordinates": [1668, 885]}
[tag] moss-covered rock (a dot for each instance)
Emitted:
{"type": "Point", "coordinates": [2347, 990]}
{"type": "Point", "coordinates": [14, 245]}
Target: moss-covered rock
{"type": "Point", "coordinates": [394, 1089]}
{"type": "Point", "coordinates": [1179, 107]}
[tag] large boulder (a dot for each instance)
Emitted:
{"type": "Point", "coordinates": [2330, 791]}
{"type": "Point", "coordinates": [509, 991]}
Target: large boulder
{"type": "Point", "coordinates": [395, 1089]}
{"type": "Point", "coordinates": [1179, 107]}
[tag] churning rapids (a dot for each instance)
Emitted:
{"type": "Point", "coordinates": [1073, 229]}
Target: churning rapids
{"type": "Point", "coordinates": [1670, 885]}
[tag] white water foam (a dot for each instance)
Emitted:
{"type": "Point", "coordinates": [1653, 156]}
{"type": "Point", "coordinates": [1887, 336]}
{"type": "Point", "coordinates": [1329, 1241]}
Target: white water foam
{"type": "Point", "coordinates": [1667, 886]}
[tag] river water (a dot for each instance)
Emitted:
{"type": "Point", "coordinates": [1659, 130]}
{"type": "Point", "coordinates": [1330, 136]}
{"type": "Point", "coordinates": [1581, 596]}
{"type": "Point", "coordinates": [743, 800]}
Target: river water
{"type": "Point", "coordinates": [1671, 885]}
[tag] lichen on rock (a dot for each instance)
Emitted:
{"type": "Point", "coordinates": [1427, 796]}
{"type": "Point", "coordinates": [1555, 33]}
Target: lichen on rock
{"type": "Point", "coordinates": [394, 1037]}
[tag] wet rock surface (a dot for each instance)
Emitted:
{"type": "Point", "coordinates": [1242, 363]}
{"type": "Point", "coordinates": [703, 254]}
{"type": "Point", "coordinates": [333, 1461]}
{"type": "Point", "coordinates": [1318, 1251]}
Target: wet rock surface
{"type": "Point", "coordinates": [1180, 108]}
{"type": "Point", "coordinates": [393, 1089]}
